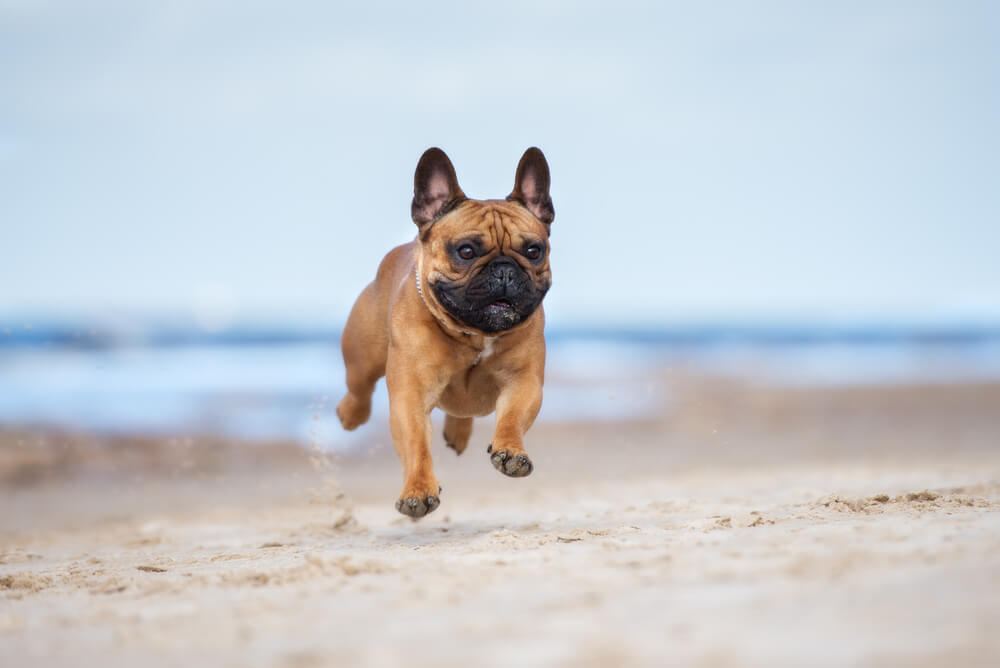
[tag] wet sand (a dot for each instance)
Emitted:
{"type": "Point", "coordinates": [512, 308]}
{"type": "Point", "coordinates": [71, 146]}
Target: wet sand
{"type": "Point", "coordinates": [746, 526]}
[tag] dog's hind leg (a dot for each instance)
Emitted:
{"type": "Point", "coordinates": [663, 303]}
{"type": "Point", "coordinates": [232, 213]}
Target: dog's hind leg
{"type": "Point", "coordinates": [364, 343]}
{"type": "Point", "coordinates": [457, 431]}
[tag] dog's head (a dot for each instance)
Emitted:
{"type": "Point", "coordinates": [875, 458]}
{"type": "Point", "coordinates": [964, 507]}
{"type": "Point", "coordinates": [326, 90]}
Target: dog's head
{"type": "Point", "coordinates": [485, 262]}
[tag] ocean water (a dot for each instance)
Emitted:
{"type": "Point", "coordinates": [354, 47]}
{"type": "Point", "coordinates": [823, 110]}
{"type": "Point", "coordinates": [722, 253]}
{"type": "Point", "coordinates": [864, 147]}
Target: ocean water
{"type": "Point", "coordinates": [266, 385]}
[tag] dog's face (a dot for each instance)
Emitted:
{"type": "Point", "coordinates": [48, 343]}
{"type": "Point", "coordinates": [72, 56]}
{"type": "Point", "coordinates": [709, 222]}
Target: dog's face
{"type": "Point", "coordinates": [486, 262]}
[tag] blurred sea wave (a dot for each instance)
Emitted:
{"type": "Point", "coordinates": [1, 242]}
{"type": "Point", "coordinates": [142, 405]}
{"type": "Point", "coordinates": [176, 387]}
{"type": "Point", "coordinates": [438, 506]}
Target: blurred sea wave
{"type": "Point", "coordinates": [260, 383]}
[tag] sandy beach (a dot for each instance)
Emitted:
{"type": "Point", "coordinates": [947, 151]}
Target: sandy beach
{"type": "Point", "coordinates": [749, 248]}
{"type": "Point", "coordinates": [746, 526]}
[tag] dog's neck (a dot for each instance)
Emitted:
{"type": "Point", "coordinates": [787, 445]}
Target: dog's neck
{"type": "Point", "coordinates": [482, 342]}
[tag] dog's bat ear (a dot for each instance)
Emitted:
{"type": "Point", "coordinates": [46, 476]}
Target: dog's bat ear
{"type": "Point", "coordinates": [435, 188]}
{"type": "Point", "coordinates": [531, 185]}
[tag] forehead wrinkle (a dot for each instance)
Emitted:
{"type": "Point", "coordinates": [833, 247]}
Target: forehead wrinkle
{"type": "Point", "coordinates": [503, 234]}
{"type": "Point", "coordinates": [497, 228]}
{"type": "Point", "coordinates": [485, 218]}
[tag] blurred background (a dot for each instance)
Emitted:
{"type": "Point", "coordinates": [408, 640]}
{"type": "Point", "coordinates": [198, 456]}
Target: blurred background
{"type": "Point", "coordinates": [192, 194]}
{"type": "Point", "coordinates": [770, 427]}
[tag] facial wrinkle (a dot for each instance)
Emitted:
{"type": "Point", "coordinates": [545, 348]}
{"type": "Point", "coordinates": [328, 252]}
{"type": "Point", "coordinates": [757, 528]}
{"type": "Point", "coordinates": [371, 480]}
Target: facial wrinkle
{"type": "Point", "coordinates": [502, 238]}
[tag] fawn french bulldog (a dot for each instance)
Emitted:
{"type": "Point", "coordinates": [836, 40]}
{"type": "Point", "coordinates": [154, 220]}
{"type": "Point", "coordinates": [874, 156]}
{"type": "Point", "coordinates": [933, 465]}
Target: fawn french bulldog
{"type": "Point", "coordinates": [454, 320]}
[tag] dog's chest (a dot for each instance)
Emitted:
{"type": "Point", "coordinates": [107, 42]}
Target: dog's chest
{"type": "Point", "coordinates": [473, 391]}
{"type": "Point", "coordinates": [489, 347]}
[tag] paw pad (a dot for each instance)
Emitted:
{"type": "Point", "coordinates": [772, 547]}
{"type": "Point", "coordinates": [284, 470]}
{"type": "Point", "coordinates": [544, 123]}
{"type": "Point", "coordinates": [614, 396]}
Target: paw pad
{"type": "Point", "coordinates": [415, 507]}
{"type": "Point", "coordinates": [513, 465]}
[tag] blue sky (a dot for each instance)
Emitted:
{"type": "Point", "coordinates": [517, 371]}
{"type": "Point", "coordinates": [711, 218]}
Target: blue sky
{"type": "Point", "coordinates": [733, 161]}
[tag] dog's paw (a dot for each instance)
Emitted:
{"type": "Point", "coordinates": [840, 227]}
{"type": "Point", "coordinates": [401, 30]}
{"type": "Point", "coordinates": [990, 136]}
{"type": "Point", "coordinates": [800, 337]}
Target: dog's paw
{"type": "Point", "coordinates": [514, 464]}
{"type": "Point", "coordinates": [459, 448]}
{"type": "Point", "coordinates": [353, 412]}
{"type": "Point", "coordinates": [416, 507]}
{"type": "Point", "coordinates": [414, 503]}
{"type": "Point", "coordinates": [457, 432]}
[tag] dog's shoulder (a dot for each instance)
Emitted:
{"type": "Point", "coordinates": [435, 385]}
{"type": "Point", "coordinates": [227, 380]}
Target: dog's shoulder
{"type": "Point", "coordinates": [396, 263]}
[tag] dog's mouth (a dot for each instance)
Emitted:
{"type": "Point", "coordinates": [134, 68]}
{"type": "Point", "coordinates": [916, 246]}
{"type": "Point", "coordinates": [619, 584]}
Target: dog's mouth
{"type": "Point", "coordinates": [502, 310]}
{"type": "Point", "coordinates": [488, 310]}
{"type": "Point", "coordinates": [500, 314]}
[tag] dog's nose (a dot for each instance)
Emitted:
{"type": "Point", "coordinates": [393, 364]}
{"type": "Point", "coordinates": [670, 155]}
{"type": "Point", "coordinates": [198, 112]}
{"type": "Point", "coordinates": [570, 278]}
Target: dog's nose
{"type": "Point", "coordinates": [504, 270]}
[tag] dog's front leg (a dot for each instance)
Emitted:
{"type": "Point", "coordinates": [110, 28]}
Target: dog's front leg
{"type": "Point", "coordinates": [413, 391]}
{"type": "Point", "coordinates": [517, 406]}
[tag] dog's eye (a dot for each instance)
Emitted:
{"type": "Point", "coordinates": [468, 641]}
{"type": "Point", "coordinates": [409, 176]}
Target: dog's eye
{"type": "Point", "coordinates": [466, 251]}
{"type": "Point", "coordinates": [533, 252]}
